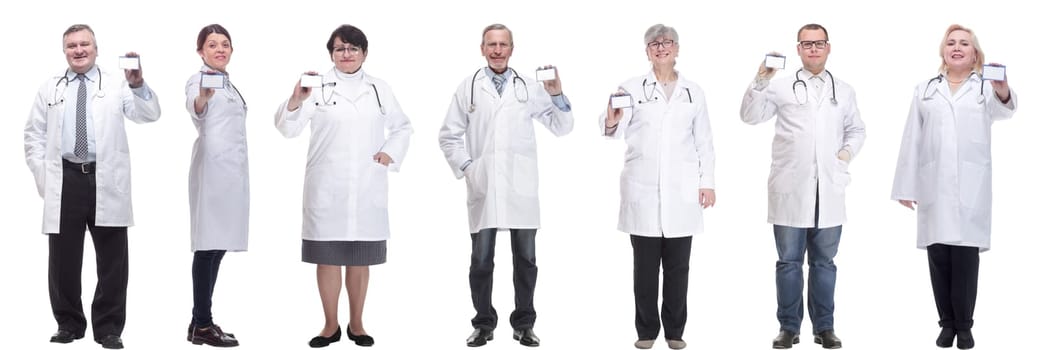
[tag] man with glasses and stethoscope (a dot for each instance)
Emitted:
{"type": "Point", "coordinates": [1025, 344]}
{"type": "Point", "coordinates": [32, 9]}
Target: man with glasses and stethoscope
{"type": "Point", "coordinates": [818, 131]}
{"type": "Point", "coordinates": [488, 137]}
{"type": "Point", "coordinates": [76, 148]}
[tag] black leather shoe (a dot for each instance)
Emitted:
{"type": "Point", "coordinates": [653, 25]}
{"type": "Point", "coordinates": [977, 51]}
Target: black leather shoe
{"type": "Point", "coordinates": [65, 337]}
{"type": "Point", "coordinates": [479, 337]}
{"type": "Point", "coordinates": [191, 327]}
{"type": "Point", "coordinates": [321, 342]}
{"type": "Point", "coordinates": [526, 337]}
{"type": "Point", "coordinates": [828, 339]}
{"type": "Point", "coordinates": [360, 340]}
{"type": "Point", "coordinates": [946, 338]}
{"type": "Point", "coordinates": [212, 336]}
{"type": "Point", "coordinates": [111, 341]}
{"type": "Point", "coordinates": [965, 340]}
{"type": "Point", "coordinates": [785, 339]}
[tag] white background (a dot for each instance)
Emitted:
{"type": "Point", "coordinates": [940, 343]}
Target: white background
{"type": "Point", "coordinates": [420, 298]}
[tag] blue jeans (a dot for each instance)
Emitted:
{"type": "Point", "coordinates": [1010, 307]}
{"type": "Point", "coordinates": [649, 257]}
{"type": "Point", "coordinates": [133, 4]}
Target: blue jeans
{"type": "Point", "coordinates": [821, 244]}
{"type": "Point", "coordinates": [525, 272]}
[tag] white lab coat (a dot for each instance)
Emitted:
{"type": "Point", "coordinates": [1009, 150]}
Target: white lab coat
{"type": "Point", "coordinates": [945, 161]}
{"type": "Point", "coordinates": [808, 137]}
{"type": "Point", "coordinates": [218, 182]}
{"type": "Point", "coordinates": [499, 137]}
{"type": "Point", "coordinates": [669, 159]}
{"type": "Point", "coordinates": [345, 190]}
{"type": "Point", "coordinates": [43, 145]}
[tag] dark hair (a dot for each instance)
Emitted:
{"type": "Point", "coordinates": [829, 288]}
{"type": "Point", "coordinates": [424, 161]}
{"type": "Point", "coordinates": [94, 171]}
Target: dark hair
{"type": "Point", "coordinates": [348, 34]}
{"type": "Point", "coordinates": [210, 29]}
{"type": "Point", "coordinates": [812, 26]}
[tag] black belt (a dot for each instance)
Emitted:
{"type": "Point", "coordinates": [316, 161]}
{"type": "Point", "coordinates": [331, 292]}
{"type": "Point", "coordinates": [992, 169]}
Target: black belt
{"type": "Point", "coordinates": [86, 168]}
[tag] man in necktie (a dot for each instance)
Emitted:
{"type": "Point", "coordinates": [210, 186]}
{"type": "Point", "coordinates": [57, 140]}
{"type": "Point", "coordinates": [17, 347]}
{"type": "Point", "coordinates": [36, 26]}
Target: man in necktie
{"type": "Point", "coordinates": [488, 138]}
{"type": "Point", "coordinates": [76, 148]}
{"type": "Point", "coordinates": [816, 138]}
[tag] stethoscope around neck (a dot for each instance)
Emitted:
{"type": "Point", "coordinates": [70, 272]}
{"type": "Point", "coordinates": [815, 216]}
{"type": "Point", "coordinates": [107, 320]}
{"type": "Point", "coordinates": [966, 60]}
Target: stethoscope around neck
{"type": "Point", "coordinates": [55, 100]}
{"type": "Point", "coordinates": [326, 100]}
{"type": "Point", "coordinates": [798, 81]}
{"type": "Point", "coordinates": [516, 77]}
{"type": "Point", "coordinates": [649, 97]}
{"type": "Point", "coordinates": [926, 95]}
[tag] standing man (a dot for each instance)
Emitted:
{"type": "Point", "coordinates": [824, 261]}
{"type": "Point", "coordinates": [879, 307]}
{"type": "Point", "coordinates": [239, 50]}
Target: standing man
{"type": "Point", "coordinates": [76, 148]}
{"type": "Point", "coordinates": [488, 137]}
{"type": "Point", "coordinates": [818, 131]}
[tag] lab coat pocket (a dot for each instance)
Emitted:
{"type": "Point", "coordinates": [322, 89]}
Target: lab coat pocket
{"type": "Point", "coordinates": [525, 176]}
{"type": "Point", "coordinates": [318, 193]}
{"type": "Point", "coordinates": [690, 181]}
{"type": "Point", "coordinates": [377, 186]}
{"type": "Point", "coordinates": [927, 183]}
{"type": "Point", "coordinates": [781, 180]}
{"type": "Point", "coordinates": [476, 183]}
{"type": "Point", "coordinates": [841, 176]}
{"type": "Point", "coordinates": [972, 179]}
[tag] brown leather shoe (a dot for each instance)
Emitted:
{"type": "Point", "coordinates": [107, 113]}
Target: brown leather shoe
{"type": "Point", "coordinates": [212, 336]}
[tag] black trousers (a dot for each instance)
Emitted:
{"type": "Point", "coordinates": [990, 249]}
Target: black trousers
{"type": "Point", "coordinates": [205, 266]}
{"type": "Point", "coordinates": [65, 261]}
{"type": "Point", "coordinates": [954, 271]}
{"type": "Point", "coordinates": [673, 255]}
{"type": "Point", "coordinates": [525, 273]}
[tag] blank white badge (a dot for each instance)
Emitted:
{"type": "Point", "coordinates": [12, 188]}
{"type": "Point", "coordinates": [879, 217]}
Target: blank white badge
{"type": "Point", "coordinates": [212, 81]}
{"type": "Point", "coordinates": [545, 74]}
{"type": "Point", "coordinates": [993, 72]}
{"type": "Point", "coordinates": [129, 62]}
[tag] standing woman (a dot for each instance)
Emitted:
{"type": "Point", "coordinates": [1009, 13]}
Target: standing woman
{"type": "Point", "coordinates": [945, 170]}
{"type": "Point", "coordinates": [358, 133]}
{"type": "Point", "coordinates": [218, 183]}
{"type": "Point", "coordinates": [667, 180]}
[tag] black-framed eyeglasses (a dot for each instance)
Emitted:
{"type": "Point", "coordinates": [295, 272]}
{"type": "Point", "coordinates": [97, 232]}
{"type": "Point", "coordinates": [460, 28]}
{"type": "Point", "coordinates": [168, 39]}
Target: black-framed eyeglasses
{"type": "Point", "coordinates": [663, 44]}
{"type": "Point", "coordinates": [807, 44]}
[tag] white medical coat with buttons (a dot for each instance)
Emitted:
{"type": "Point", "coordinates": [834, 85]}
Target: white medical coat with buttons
{"type": "Point", "coordinates": [43, 144]}
{"type": "Point", "coordinates": [499, 138]}
{"type": "Point", "coordinates": [668, 160]}
{"type": "Point", "coordinates": [218, 180]}
{"type": "Point", "coordinates": [808, 134]}
{"type": "Point", "coordinates": [345, 189]}
{"type": "Point", "coordinates": [945, 161]}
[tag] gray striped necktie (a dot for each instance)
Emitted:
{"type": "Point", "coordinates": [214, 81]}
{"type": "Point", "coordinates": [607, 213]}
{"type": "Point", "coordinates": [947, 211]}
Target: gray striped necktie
{"type": "Point", "coordinates": [500, 82]}
{"type": "Point", "coordinates": [81, 119]}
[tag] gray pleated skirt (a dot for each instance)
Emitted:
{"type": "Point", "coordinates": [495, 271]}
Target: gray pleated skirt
{"type": "Point", "coordinates": [344, 253]}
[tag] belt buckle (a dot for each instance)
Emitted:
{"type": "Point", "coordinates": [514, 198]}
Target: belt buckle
{"type": "Point", "coordinates": [84, 167]}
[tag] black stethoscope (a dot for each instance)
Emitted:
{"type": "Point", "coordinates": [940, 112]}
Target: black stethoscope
{"type": "Point", "coordinates": [56, 101]}
{"type": "Point", "coordinates": [939, 79]}
{"type": "Point", "coordinates": [325, 100]}
{"type": "Point", "coordinates": [806, 89]}
{"type": "Point", "coordinates": [516, 77]}
{"type": "Point", "coordinates": [647, 97]}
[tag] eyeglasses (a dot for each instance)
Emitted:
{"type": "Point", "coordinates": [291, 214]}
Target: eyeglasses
{"type": "Point", "coordinates": [662, 44]}
{"type": "Point", "coordinates": [808, 44]}
{"type": "Point", "coordinates": [351, 50]}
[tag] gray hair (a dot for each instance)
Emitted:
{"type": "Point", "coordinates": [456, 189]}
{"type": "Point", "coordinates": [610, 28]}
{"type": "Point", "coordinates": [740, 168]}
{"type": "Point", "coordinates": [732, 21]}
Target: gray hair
{"type": "Point", "coordinates": [660, 30]}
{"type": "Point", "coordinates": [78, 27]}
{"type": "Point", "coordinates": [496, 26]}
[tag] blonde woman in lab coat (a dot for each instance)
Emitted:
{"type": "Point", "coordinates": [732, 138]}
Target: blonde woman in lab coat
{"type": "Point", "coordinates": [345, 187]}
{"type": "Point", "coordinates": [218, 182]}
{"type": "Point", "coordinates": [944, 170]}
{"type": "Point", "coordinates": [667, 180]}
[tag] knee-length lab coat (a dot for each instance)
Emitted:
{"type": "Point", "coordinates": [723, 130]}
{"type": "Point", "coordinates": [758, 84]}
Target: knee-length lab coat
{"type": "Point", "coordinates": [345, 190]}
{"type": "Point", "coordinates": [43, 143]}
{"type": "Point", "coordinates": [945, 161]}
{"type": "Point", "coordinates": [669, 159]}
{"type": "Point", "coordinates": [808, 135]}
{"type": "Point", "coordinates": [218, 180]}
{"type": "Point", "coordinates": [498, 136]}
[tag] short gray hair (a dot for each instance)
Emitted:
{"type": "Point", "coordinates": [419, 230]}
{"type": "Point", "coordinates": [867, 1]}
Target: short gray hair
{"type": "Point", "coordinates": [660, 30]}
{"type": "Point", "coordinates": [78, 27]}
{"type": "Point", "coordinates": [496, 26]}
